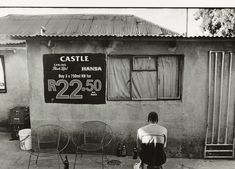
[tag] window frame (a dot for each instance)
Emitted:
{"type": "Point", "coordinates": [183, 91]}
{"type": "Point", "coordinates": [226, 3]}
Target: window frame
{"type": "Point", "coordinates": [4, 74]}
{"type": "Point", "coordinates": [142, 70]}
{"type": "Point", "coordinates": [180, 73]}
{"type": "Point", "coordinates": [131, 57]}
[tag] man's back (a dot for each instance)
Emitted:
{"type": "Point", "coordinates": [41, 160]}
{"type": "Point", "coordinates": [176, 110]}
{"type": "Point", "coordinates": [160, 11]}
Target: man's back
{"type": "Point", "coordinates": [152, 142]}
{"type": "Point", "coordinates": [152, 129]}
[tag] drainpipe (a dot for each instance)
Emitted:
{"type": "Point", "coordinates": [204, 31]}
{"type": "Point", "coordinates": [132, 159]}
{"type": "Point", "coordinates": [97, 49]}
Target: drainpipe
{"type": "Point", "coordinates": [186, 33]}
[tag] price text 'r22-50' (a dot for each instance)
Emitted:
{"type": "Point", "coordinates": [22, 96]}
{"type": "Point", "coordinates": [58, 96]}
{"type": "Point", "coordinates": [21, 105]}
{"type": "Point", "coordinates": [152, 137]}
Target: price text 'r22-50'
{"type": "Point", "coordinates": [91, 85]}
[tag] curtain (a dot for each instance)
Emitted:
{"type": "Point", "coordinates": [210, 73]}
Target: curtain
{"type": "Point", "coordinates": [2, 81]}
{"type": "Point", "coordinates": [119, 78]}
{"type": "Point", "coordinates": [144, 63]}
{"type": "Point", "coordinates": [168, 77]}
{"type": "Point", "coordinates": [144, 84]}
{"type": "Point", "coordinates": [143, 80]}
{"type": "Point", "coordinates": [144, 74]}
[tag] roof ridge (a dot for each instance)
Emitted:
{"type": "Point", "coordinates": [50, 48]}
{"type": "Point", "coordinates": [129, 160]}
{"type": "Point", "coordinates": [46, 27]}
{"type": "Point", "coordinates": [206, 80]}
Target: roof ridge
{"type": "Point", "coordinates": [69, 14]}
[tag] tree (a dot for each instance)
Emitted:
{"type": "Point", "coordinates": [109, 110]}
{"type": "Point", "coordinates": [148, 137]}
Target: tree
{"type": "Point", "coordinates": [219, 22]}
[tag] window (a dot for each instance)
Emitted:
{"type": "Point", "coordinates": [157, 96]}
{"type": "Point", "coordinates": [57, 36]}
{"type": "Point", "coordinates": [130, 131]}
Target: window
{"type": "Point", "coordinates": [145, 77]}
{"type": "Point", "coordinates": [2, 76]}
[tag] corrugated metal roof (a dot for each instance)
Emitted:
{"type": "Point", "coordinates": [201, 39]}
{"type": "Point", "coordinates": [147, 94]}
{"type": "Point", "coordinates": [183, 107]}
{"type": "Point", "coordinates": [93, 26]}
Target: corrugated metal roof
{"type": "Point", "coordinates": [210, 36]}
{"type": "Point", "coordinates": [7, 40]}
{"type": "Point", "coordinates": [78, 25]}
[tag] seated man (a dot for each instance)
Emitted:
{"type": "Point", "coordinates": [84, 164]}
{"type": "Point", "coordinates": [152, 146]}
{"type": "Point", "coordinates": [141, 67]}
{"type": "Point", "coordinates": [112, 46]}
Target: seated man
{"type": "Point", "coordinates": [151, 140]}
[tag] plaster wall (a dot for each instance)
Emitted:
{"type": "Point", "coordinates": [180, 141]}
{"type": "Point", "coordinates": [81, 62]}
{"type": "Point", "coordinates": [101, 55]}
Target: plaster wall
{"type": "Point", "coordinates": [185, 119]}
{"type": "Point", "coordinates": [17, 81]}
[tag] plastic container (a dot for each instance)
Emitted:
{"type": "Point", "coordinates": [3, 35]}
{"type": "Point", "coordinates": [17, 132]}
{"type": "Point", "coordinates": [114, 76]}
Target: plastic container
{"type": "Point", "coordinates": [25, 139]}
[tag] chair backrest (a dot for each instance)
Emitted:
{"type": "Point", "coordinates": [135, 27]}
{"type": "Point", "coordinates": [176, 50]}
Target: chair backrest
{"type": "Point", "coordinates": [152, 150]}
{"type": "Point", "coordinates": [152, 138]}
{"type": "Point", "coordinates": [51, 136]}
{"type": "Point", "coordinates": [94, 132]}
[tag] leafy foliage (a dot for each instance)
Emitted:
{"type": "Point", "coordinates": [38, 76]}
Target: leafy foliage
{"type": "Point", "coordinates": [219, 22]}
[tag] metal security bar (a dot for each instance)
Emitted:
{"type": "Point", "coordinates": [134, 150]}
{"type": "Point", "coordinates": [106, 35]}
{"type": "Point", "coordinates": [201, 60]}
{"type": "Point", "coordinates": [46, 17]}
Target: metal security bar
{"type": "Point", "coordinates": [228, 94]}
{"type": "Point", "coordinates": [213, 115]}
{"type": "Point", "coordinates": [219, 142]}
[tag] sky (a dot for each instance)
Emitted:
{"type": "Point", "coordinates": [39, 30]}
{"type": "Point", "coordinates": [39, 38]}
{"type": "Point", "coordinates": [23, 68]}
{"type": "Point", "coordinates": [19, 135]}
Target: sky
{"type": "Point", "coordinates": [170, 14]}
{"type": "Point", "coordinates": [173, 19]}
{"type": "Point", "coordinates": [121, 3]}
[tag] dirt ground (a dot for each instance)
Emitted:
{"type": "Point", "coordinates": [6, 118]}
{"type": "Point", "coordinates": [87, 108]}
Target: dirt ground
{"type": "Point", "coordinates": [12, 157]}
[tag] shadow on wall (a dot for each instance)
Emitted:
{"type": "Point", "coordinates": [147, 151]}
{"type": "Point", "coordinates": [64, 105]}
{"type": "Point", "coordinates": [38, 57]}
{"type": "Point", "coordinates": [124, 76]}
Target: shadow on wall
{"type": "Point", "coordinates": [4, 127]}
{"type": "Point", "coordinates": [189, 148]}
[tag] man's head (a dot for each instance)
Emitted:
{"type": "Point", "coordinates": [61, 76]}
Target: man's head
{"type": "Point", "coordinates": [153, 117]}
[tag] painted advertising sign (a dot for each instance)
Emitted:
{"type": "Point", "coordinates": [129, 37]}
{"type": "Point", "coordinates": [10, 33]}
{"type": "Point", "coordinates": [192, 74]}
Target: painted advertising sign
{"type": "Point", "coordinates": [74, 78]}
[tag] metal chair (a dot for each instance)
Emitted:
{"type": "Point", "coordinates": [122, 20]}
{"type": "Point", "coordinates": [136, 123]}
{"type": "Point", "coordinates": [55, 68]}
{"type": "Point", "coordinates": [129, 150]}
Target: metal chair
{"type": "Point", "coordinates": [48, 140]}
{"type": "Point", "coordinates": [94, 137]}
{"type": "Point", "coordinates": [152, 151]}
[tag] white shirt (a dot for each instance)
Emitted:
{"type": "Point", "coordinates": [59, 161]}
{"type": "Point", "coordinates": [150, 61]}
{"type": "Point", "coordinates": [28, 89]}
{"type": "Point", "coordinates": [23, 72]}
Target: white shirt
{"type": "Point", "coordinates": [145, 132]}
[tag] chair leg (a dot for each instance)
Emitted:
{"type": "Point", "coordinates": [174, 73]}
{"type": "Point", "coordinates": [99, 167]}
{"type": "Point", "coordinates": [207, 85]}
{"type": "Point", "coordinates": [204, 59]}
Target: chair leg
{"type": "Point", "coordinates": [37, 159]}
{"type": "Point", "coordinates": [102, 161]}
{"type": "Point", "coordinates": [105, 156]}
{"type": "Point", "coordinates": [75, 160]}
{"type": "Point", "coordinates": [61, 157]}
{"type": "Point", "coordinates": [58, 159]}
{"type": "Point", "coordinates": [29, 160]}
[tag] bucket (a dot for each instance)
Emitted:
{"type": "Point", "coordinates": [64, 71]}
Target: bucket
{"type": "Point", "coordinates": [25, 139]}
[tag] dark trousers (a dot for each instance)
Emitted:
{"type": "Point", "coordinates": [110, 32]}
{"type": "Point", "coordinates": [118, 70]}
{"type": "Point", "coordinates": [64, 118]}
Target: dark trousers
{"type": "Point", "coordinates": [152, 155]}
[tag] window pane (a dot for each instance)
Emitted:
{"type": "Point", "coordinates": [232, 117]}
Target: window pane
{"type": "Point", "coordinates": [144, 63]}
{"type": "Point", "coordinates": [119, 78]}
{"type": "Point", "coordinates": [2, 79]}
{"type": "Point", "coordinates": [168, 77]}
{"type": "Point", "coordinates": [144, 85]}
